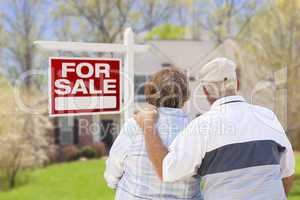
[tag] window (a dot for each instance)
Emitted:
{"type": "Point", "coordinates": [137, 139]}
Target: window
{"type": "Point", "coordinates": [66, 125]}
{"type": "Point", "coordinates": [192, 79]}
{"type": "Point", "coordinates": [139, 83]}
{"type": "Point", "coordinates": [167, 65]}
{"type": "Point", "coordinates": [106, 132]}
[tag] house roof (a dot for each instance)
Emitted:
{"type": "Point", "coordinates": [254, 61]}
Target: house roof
{"type": "Point", "coordinates": [182, 53]}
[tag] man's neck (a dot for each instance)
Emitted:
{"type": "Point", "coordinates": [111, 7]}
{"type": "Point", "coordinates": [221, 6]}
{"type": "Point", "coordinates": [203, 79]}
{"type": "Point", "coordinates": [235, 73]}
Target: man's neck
{"type": "Point", "coordinates": [212, 100]}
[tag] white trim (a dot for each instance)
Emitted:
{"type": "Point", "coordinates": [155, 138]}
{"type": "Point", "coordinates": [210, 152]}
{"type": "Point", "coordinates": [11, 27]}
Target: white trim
{"type": "Point", "coordinates": [84, 114]}
{"type": "Point", "coordinates": [70, 103]}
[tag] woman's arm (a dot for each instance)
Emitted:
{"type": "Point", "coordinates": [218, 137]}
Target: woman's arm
{"type": "Point", "coordinates": [287, 165]}
{"type": "Point", "coordinates": [115, 162]}
{"type": "Point", "coordinates": [288, 184]}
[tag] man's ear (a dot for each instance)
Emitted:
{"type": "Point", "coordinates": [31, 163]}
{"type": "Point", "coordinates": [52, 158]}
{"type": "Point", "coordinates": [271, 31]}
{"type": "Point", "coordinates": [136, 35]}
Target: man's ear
{"type": "Point", "coordinates": [205, 90]}
{"type": "Point", "coordinates": [209, 98]}
{"type": "Point", "coordinates": [238, 84]}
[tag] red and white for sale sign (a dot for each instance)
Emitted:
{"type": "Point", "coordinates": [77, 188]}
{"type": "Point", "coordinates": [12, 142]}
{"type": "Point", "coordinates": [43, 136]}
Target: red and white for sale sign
{"type": "Point", "coordinates": [84, 86]}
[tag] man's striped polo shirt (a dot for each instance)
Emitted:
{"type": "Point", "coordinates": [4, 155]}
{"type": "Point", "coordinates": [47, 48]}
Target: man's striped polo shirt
{"type": "Point", "coordinates": [240, 150]}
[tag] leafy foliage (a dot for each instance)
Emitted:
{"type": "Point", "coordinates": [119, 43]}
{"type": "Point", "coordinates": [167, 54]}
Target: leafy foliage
{"type": "Point", "coordinates": [100, 149]}
{"type": "Point", "coordinates": [23, 25]}
{"type": "Point", "coordinates": [222, 19]}
{"type": "Point", "coordinates": [104, 20]}
{"type": "Point", "coordinates": [273, 39]}
{"type": "Point", "coordinates": [25, 141]}
{"type": "Point", "coordinates": [71, 152]}
{"type": "Point", "coordinates": [273, 34]}
{"type": "Point", "coordinates": [166, 32]}
{"type": "Point", "coordinates": [87, 152]}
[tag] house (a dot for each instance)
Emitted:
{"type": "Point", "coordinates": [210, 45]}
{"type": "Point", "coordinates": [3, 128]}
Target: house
{"type": "Point", "coordinates": [257, 86]}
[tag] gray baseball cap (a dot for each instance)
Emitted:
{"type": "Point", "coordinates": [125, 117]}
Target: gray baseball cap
{"type": "Point", "coordinates": [218, 69]}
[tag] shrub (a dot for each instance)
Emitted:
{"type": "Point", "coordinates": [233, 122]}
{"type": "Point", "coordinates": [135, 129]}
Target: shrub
{"type": "Point", "coordinates": [26, 137]}
{"type": "Point", "coordinates": [24, 150]}
{"type": "Point", "coordinates": [71, 152]}
{"type": "Point", "coordinates": [88, 152]}
{"type": "Point", "coordinates": [55, 156]}
{"type": "Point", "coordinates": [99, 149]}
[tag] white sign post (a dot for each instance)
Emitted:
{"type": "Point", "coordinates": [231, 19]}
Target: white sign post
{"type": "Point", "coordinates": [129, 48]}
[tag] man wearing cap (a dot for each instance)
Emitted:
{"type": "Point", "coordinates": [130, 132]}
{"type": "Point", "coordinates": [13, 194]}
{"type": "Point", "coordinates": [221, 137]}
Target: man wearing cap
{"type": "Point", "coordinates": [240, 150]}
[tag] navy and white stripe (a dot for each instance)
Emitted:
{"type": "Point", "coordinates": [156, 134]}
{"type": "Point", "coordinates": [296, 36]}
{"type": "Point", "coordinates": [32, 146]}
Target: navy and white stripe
{"type": "Point", "coordinates": [241, 155]}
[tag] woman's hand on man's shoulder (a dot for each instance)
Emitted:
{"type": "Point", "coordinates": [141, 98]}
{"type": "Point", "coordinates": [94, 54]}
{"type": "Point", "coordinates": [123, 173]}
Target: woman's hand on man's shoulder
{"type": "Point", "coordinates": [146, 116]}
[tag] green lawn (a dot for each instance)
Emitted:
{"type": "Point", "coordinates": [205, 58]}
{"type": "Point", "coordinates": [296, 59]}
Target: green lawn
{"type": "Point", "coordinates": [295, 194]}
{"type": "Point", "coordinates": [79, 181]}
{"type": "Point", "coordinates": [70, 181]}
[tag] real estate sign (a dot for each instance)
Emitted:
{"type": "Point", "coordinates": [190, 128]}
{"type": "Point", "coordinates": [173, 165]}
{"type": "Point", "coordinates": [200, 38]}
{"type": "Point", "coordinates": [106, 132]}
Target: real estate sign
{"type": "Point", "coordinates": [84, 86]}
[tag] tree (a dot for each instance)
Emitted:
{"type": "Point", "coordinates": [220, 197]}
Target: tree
{"type": "Point", "coordinates": [104, 20]}
{"type": "Point", "coordinates": [24, 24]}
{"type": "Point", "coordinates": [272, 35]}
{"type": "Point", "coordinates": [151, 13]}
{"type": "Point", "coordinates": [166, 32]}
{"type": "Point", "coordinates": [2, 40]}
{"type": "Point", "coordinates": [25, 141]}
{"type": "Point", "coordinates": [222, 19]}
{"type": "Point", "coordinates": [273, 38]}
{"type": "Point", "coordinates": [2, 32]}
{"type": "Point", "coordinates": [94, 20]}
{"type": "Point", "coordinates": [23, 150]}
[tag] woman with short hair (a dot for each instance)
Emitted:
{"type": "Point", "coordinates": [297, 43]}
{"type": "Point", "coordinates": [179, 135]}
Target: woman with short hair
{"type": "Point", "coordinates": [128, 168]}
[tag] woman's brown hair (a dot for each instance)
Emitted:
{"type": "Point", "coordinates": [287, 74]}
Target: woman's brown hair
{"type": "Point", "coordinates": [167, 88]}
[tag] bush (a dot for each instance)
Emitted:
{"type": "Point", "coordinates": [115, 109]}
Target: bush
{"type": "Point", "coordinates": [55, 156]}
{"type": "Point", "coordinates": [23, 150]}
{"type": "Point", "coordinates": [88, 152]}
{"type": "Point", "coordinates": [71, 152]}
{"type": "Point", "coordinates": [99, 149]}
{"type": "Point", "coordinates": [26, 137]}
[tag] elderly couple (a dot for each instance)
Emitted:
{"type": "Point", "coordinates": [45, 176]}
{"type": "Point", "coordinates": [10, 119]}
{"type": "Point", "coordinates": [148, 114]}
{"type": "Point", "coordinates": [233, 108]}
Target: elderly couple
{"type": "Point", "coordinates": [235, 151]}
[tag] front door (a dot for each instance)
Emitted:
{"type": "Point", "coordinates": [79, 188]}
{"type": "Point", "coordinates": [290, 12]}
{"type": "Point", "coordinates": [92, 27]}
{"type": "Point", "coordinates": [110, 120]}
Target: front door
{"type": "Point", "coordinates": [106, 132]}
